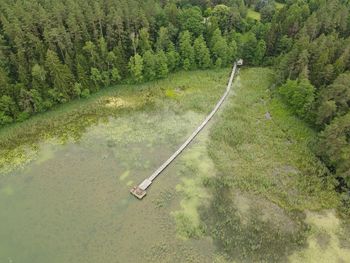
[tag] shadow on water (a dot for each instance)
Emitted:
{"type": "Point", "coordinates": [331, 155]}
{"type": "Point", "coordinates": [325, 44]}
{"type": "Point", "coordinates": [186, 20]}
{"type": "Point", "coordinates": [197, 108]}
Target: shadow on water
{"type": "Point", "coordinates": [248, 228]}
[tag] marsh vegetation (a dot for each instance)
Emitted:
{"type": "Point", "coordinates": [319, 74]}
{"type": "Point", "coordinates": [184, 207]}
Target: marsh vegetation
{"type": "Point", "coordinates": [94, 95]}
{"type": "Point", "coordinates": [267, 177]}
{"type": "Point", "coordinates": [239, 190]}
{"type": "Point", "coordinates": [69, 181]}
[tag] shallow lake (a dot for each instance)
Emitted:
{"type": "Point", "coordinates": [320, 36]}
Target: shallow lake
{"type": "Point", "coordinates": [72, 202]}
{"type": "Point", "coordinates": [69, 200]}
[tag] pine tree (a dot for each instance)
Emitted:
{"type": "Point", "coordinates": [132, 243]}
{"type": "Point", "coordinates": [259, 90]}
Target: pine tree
{"type": "Point", "coordinates": [161, 64]}
{"type": "Point", "coordinates": [90, 50]}
{"type": "Point", "coordinates": [249, 43]}
{"type": "Point", "coordinates": [136, 68]}
{"type": "Point", "coordinates": [60, 76]}
{"type": "Point", "coordinates": [173, 57]}
{"type": "Point", "coordinates": [191, 20]}
{"type": "Point", "coordinates": [163, 39]}
{"type": "Point", "coordinates": [186, 50]}
{"type": "Point", "coordinates": [96, 77]}
{"type": "Point", "coordinates": [334, 146]}
{"type": "Point", "coordinates": [82, 76]}
{"type": "Point", "coordinates": [260, 52]}
{"type": "Point", "coordinates": [221, 13]}
{"type": "Point", "coordinates": [115, 76]}
{"type": "Point", "coordinates": [103, 53]}
{"type": "Point", "coordinates": [144, 41]}
{"type": "Point", "coordinates": [334, 99]}
{"type": "Point", "coordinates": [150, 67]}
{"type": "Point", "coordinates": [39, 77]}
{"type": "Point", "coordinates": [111, 60]}
{"type": "Point", "coordinates": [201, 53]}
{"type": "Point", "coordinates": [233, 51]}
{"type": "Point", "coordinates": [4, 81]}
{"type": "Point", "coordinates": [7, 109]}
{"type": "Point", "coordinates": [300, 95]}
{"type": "Point", "coordinates": [220, 50]}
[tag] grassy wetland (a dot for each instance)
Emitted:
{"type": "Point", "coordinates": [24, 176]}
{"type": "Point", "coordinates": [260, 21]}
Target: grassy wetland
{"type": "Point", "coordinates": [248, 189]}
{"type": "Point", "coordinates": [271, 199]}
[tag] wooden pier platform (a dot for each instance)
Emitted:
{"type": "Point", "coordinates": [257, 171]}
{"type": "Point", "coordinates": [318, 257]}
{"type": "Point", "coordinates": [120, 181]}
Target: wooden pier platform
{"type": "Point", "coordinates": [140, 191]}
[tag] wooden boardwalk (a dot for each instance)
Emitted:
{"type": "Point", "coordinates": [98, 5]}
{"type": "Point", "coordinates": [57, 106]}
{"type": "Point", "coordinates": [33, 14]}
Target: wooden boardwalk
{"type": "Point", "coordinates": [140, 191]}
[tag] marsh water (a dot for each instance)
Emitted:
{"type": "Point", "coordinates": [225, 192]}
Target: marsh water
{"type": "Point", "coordinates": [72, 202]}
{"type": "Point", "coordinates": [66, 198]}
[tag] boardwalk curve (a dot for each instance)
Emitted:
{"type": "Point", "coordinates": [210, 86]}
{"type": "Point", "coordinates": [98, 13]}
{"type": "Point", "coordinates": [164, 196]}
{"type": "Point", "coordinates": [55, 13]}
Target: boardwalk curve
{"type": "Point", "coordinates": [140, 190]}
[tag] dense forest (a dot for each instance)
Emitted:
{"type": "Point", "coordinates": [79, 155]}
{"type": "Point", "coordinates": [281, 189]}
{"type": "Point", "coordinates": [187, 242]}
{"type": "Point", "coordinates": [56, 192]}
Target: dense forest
{"type": "Point", "coordinates": [54, 51]}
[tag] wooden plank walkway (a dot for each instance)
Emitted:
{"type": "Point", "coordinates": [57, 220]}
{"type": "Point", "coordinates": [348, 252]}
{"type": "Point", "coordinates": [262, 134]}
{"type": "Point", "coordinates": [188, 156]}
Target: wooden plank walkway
{"type": "Point", "coordinates": [140, 191]}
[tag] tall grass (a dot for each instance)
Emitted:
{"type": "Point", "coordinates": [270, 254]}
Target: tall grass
{"type": "Point", "coordinates": [267, 175]}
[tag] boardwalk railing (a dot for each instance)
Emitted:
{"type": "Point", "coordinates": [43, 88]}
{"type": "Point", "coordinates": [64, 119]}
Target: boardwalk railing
{"type": "Point", "coordinates": [140, 191]}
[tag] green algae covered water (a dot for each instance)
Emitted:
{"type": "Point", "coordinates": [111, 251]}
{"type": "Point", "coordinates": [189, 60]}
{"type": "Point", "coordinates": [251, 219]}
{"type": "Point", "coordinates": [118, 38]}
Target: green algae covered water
{"type": "Point", "coordinates": [64, 189]}
{"type": "Point", "coordinates": [65, 198]}
{"type": "Point", "coordinates": [72, 203]}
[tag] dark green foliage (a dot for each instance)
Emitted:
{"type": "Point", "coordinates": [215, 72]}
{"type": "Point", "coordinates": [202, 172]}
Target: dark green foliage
{"type": "Point", "coordinates": [315, 47]}
{"type": "Point", "coordinates": [267, 12]}
{"type": "Point", "coordinates": [220, 49]}
{"type": "Point", "coordinates": [221, 13]}
{"type": "Point", "coordinates": [259, 52]}
{"type": "Point", "coordinates": [155, 65]}
{"type": "Point", "coordinates": [300, 95]}
{"type": "Point", "coordinates": [96, 77]}
{"type": "Point", "coordinates": [144, 41]}
{"type": "Point", "coordinates": [201, 52]}
{"type": "Point", "coordinates": [59, 75]}
{"type": "Point", "coordinates": [149, 62]}
{"type": "Point", "coordinates": [186, 50]}
{"type": "Point", "coordinates": [7, 109]}
{"type": "Point", "coordinates": [334, 99]}
{"type": "Point", "coordinates": [136, 68]}
{"type": "Point", "coordinates": [191, 19]}
{"type": "Point", "coordinates": [85, 93]}
{"type": "Point", "coordinates": [161, 64]}
{"type": "Point", "coordinates": [163, 40]}
{"type": "Point", "coordinates": [334, 146]}
{"type": "Point", "coordinates": [77, 47]}
{"type": "Point", "coordinates": [173, 57]}
{"type": "Point", "coordinates": [248, 44]}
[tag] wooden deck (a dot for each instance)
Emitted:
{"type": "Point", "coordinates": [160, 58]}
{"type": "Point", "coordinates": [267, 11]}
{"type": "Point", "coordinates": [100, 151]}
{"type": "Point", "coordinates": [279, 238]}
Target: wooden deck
{"type": "Point", "coordinates": [140, 191]}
